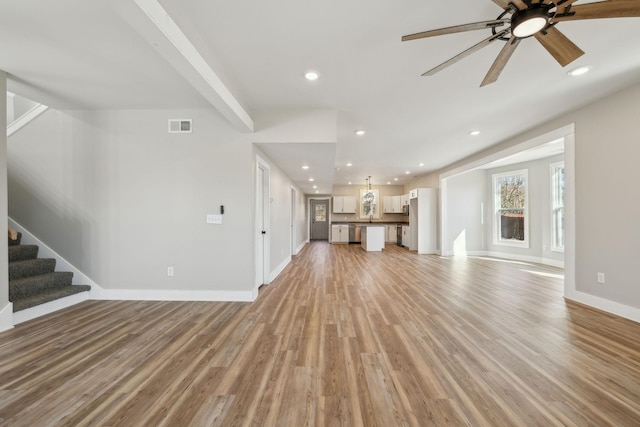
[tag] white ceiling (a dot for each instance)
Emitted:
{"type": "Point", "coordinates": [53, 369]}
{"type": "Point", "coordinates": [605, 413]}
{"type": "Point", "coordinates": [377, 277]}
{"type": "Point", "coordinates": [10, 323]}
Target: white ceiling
{"type": "Point", "coordinates": [87, 54]}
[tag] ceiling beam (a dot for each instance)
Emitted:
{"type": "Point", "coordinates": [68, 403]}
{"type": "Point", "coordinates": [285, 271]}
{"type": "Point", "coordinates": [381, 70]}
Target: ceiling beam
{"type": "Point", "coordinates": [157, 27]}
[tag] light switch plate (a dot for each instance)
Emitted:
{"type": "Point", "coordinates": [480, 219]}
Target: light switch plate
{"type": "Point", "coordinates": [214, 219]}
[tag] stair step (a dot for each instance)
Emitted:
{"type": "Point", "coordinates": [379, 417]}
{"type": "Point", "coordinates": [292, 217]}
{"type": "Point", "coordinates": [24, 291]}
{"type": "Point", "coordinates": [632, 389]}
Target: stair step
{"type": "Point", "coordinates": [51, 295]}
{"type": "Point", "coordinates": [17, 241]}
{"type": "Point", "coordinates": [32, 285]}
{"type": "Point", "coordinates": [22, 252]}
{"type": "Point", "coordinates": [32, 267]}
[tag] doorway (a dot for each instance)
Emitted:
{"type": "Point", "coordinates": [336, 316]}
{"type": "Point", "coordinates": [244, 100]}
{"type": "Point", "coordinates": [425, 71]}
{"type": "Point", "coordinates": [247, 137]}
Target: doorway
{"type": "Point", "coordinates": [319, 220]}
{"type": "Point", "coordinates": [567, 134]}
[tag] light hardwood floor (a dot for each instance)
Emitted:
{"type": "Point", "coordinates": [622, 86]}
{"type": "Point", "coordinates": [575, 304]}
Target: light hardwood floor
{"type": "Point", "coordinates": [342, 337]}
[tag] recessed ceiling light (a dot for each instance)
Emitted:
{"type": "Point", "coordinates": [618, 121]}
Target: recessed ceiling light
{"type": "Point", "coordinates": [311, 75]}
{"type": "Point", "coordinates": [349, 182]}
{"type": "Point", "coordinates": [407, 172]}
{"type": "Point", "coordinates": [305, 167]}
{"type": "Point", "coordinates": [360, 132]}
{"type": "Point", "coordinates": [311, 179]}
{"type": "Point", "coordinates": [420, 164]}
{"type": "Point", "coordinates": [315, 186]}
{"type": "Point", "coordinates": [580, 71]}
{"type": "Point", "coordinates": [388, 182]}
{"type": "Point", "coordinates": [395, 179]}
{"type": "Point", "coordinates": [474, 133]}
{"type": "Point", "coordinates": [317, 191]}
{"type": "Point", "coordinates": [349, 164]}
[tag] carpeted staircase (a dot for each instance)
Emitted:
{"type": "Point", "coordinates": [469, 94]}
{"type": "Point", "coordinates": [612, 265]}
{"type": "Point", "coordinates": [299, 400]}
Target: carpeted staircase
{"type": "Point", "coordinates": [33, 281]}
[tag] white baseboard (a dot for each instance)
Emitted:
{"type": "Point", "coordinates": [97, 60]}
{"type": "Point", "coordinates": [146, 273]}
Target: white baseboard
{"type": "Point", "coordinates": [172, 295]}
{"type": "Point", "coordinates": [631, 313]}
{"type": "Point", "coordinates": [526, 258]}
{"type": "Point", "coordinates": [513, 257]}
{"type": "Point", "coordinates": [6, 318]}
{"type": "Point", "coordinates": [279, 269]}
{"type": "Point", "coordinates": [48, 307]}
{"type": "Point", "coordinates": [299, 248]}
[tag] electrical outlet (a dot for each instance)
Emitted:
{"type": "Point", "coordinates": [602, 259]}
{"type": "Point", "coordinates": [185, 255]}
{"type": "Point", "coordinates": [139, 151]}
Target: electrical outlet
{"type": "Point", "coordinates": [600, 277]}
{"type": "Point", "coordinates": [170, 271]}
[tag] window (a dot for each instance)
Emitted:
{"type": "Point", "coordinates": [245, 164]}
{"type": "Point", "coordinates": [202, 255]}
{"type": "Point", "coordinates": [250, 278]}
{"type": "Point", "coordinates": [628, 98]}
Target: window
{"type": "Point", "coordinates": [557, 207]}
{"type": "Point", "coordinates": [320, 212]}
{"type": "Point", "coordinates": [511, 225]}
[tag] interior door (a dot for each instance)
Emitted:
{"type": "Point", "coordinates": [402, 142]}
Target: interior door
{"type": "Point", "coordinates": [262, 225]}
{"type": "Point", "coordinates": [319, 220]}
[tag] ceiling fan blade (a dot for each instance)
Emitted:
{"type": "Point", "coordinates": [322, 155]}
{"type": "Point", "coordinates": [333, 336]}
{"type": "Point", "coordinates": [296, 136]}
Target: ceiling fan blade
{"type": "Point", "coordinates": [564, 3]}
{"type": "Point", "coordinates": [559, 46]}
{"type": "Point", "coordinates": [457, 29]}
{"type": "Point", "coordinates": [501, 61]}
{"type": "Point", "coordinates": [502, 3]}
{"type": "Point", "coordinates": [603, 9]}
{"type": "Point", "coordinates": [519, 4]}
{"type": "Point", "coordinates": [466, 53]}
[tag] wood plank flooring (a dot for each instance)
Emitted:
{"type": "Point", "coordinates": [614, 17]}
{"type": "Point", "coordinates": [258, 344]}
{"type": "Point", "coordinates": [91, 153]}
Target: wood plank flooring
{"type": "Point", "coordinates": [342, 338]}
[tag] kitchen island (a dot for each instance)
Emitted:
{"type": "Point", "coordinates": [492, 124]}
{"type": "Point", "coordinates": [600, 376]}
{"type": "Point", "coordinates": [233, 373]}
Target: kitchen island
{"type": "Point", "coordinates": [372, 237]}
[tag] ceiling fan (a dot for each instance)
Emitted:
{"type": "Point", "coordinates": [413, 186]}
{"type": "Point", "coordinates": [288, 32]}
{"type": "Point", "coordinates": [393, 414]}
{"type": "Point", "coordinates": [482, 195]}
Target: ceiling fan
{"type": "Point", "coordinates": [526, 18]}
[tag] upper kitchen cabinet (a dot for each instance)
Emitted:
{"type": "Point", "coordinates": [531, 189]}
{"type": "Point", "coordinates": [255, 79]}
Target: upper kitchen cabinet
{"type": "Point", "coordinates": [344, 204]}
{"type": "Point", "coordinates": [404, 200]}
{"type": "Point", "coordinates": [392, 204]}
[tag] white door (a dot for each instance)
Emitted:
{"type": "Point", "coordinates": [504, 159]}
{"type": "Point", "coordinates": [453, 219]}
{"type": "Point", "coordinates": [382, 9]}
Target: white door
{"type": "Point", "coordinates": [293, 221]}
{"type": "Point", "coordinates": [262, 225]}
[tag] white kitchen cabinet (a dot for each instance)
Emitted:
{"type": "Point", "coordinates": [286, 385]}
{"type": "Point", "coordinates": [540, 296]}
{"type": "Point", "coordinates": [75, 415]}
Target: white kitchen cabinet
{"type": "Point", "coordinates": [387, 204]}
{"type": "Point", "coordinates": [344, 204]}
{"type": "Point", "coordinates": [422, 221]}
{"type": "Point", "coordinates": [392, 204]}
{"type": "Point", "coordinates": [340, 233]}
{"type": "Point", "coordinates": [413, 194]}
{"type": "Point", "coordinates": [404, 200]}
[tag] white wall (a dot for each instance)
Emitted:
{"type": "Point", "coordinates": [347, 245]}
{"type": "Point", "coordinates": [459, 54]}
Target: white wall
{"type": "Point", "coordinates": [302, 222]}
{"type": "Point", "coordinates": [607, 202]}
{"type": "Point", "coordinates": [466, 203]}
{"type": "Point", "coordinates": [122, 199]}
{"type": "Point", "coordinates": [4, 263]}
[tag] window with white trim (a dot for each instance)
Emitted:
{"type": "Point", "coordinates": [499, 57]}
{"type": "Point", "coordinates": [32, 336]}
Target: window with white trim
{"type": "Point", "coordinates": [557, 207]}
{"type": "Point", "coordinates": [511, 217]}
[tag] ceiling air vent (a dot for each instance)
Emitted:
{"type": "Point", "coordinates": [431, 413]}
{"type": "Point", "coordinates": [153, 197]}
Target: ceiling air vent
{"type": "Point", "coordinates": [179, 125]}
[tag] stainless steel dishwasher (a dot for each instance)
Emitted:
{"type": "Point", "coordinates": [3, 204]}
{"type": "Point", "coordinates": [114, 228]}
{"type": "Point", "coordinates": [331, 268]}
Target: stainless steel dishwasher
{"type": "Point", "coordinates": [354, 233]}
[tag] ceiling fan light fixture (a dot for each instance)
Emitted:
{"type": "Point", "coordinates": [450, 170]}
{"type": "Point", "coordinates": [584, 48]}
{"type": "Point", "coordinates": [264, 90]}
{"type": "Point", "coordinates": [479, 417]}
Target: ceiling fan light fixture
{"type": "Point", "coordinates": [527, 22]}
